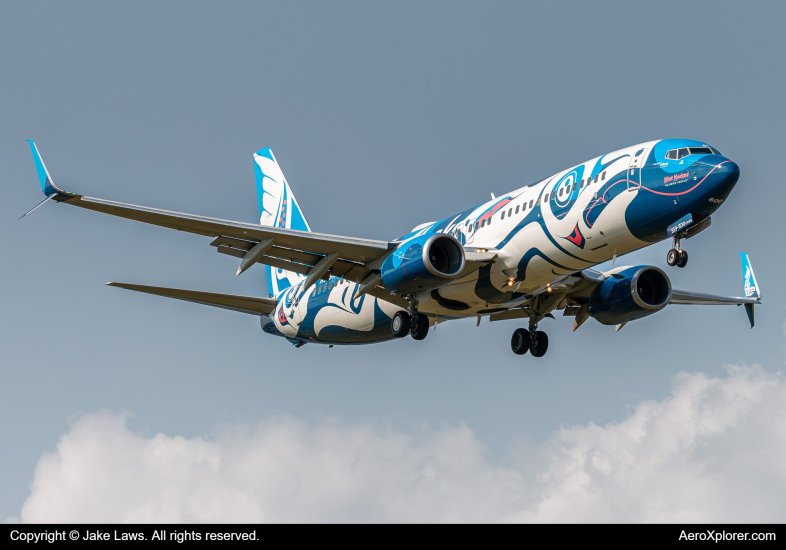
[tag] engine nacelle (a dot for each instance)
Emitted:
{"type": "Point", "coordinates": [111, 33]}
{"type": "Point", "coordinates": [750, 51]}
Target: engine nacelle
{"type": "Point", "coordinates": [423, 263]}
{"type": "Point", "coordinates": [631, 294]}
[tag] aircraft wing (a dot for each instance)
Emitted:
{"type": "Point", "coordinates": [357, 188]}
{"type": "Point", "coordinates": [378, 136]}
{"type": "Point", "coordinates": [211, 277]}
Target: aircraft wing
{"type": "Point", "coordinates": [289, 249]}
{"type": "Point", "coordinates": [243, 304]}
{"type": "Point", "coordinates": [702, 299]}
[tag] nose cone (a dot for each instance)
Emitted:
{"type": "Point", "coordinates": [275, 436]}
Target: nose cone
{"type": "Point", "coordinates": [721, 179]}
{"type": "Point", "coordinates": [729, 172]}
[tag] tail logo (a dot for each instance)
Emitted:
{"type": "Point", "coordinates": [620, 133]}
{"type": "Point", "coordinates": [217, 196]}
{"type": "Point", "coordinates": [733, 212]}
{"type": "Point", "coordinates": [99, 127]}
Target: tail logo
{"type": "Point", "coordinates": [750, 289]}
{"type": "Point", "coordinates": [576, 237]}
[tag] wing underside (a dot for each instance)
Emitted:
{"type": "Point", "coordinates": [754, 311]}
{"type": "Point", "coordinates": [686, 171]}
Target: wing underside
{"type": "Point", "coordinates": [702, 299]}
{"type": "Point", "coordinates": [243, 304]}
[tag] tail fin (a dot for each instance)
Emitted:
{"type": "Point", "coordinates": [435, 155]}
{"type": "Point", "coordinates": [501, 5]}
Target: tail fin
{"type": "Point", "coordinates": [278, 207]}
{"type": "Point", "coordinates": [749, 284]}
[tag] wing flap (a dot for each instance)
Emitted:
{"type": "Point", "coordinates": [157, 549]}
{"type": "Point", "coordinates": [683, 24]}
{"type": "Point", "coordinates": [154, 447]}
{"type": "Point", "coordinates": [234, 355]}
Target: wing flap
{"type": "Point", "coordinates": [242, 304]}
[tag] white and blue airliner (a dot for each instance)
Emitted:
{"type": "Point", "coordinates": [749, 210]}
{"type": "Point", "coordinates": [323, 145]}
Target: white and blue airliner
{"type": "Point", "coordinates": [523, 255]}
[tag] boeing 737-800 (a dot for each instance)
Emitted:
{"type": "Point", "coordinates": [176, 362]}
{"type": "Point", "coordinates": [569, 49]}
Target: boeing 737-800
{"type": "Point", "coordinates": [523, 255]}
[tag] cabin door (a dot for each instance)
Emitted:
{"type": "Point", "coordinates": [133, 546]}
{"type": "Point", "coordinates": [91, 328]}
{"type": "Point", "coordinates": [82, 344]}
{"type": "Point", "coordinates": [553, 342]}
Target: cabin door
{"type": "Point", "coordinates": [634, 168]}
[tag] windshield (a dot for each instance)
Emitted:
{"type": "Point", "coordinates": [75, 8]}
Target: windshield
{"type": "Point", "coordinates": [676, 154]}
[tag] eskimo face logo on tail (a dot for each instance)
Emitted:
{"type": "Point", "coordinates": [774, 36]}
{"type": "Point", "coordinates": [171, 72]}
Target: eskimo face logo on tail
{"type": "Point", "coordinates": [750, 289]}
{"type": "Point", "coordinates": [576, 237]}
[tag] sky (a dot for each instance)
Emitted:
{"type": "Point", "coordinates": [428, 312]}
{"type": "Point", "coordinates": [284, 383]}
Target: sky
{"type": "Point", "coordinates": [116, 406]}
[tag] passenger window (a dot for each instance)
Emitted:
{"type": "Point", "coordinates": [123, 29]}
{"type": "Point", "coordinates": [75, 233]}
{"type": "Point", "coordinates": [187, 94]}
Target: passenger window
{"type": "Point", "coordinates": [517, 210]}
{"type": "Point", "coordinates": [554, 196]}
{"type": "Point", "coordinates": [510, 212]}
{"type": "Point", "coordinates": [530, 203]}
{"type": "Point", "coordinates": [483, 223]}
{"type": "Point", "coordinates": [682, 153]}
{"type": "Point", "coordinates": [672, 155]}
{"type": "Point", "coordinates": [561, 190]}
{"type": "Point", "coordinates": [502, 217]}
{"type": "Point", "coordinates": [581, 185]}
{"type": "Point", "coordinates": [596, 178]}
{"type": "Point", "coordinates": [575, 185]}
{"type": "Point", "coordinates": [546, 197]}
{"type": "Point", "coordinates": [538, 201]}
{"type": "Point", "coordinates": [603, 176]}
{"type": "Point", "coordinates": [488, 222]}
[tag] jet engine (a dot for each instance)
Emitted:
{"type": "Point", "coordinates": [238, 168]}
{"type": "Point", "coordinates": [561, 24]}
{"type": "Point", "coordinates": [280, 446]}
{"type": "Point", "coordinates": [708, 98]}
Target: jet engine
{"type": "Point", "coordinates": [423, 263]}
{"type": "Point", "coordinates": [632, 293]}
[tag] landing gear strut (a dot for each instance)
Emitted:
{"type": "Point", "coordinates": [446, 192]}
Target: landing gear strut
{"type": "Point", "coordinates": [677, 256]}
{"type": "Point", "coordinates": [412, 322]}
{"type": "Point", "coordinates": [539, 341]}
{"type": "Point", "coordinates": [533, 340]}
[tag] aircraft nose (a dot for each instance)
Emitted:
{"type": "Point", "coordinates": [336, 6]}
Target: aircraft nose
{"type": "Point", "coordinates": [726, 175]}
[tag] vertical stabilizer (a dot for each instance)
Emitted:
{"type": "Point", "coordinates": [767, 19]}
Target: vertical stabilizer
{"type": "Point", "coordinates": [749, 285]}
{"type": "Point", "coordinates": [278, 207]}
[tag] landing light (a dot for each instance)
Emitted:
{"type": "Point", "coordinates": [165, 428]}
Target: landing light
{"type": "Point", "coordinates": [481, 250]}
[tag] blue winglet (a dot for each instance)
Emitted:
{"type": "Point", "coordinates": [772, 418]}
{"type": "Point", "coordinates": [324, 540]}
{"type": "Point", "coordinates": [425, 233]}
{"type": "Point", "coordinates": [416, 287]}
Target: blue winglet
{"type": "Point", "coordinates": [47, 185]}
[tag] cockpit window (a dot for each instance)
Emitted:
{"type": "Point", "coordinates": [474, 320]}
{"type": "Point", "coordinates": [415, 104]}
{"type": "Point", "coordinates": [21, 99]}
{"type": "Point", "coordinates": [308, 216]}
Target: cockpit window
{"type": "Point", "coordinates": [676, 154]}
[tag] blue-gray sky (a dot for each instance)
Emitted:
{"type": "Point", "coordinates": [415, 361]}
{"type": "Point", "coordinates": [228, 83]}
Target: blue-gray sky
{"type": "Point", "coordinates": [382, 116]}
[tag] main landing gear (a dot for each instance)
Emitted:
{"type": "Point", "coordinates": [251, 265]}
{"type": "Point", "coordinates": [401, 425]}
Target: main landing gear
{"type": "Point", "coordinates": [414, 323]}
{"type": "Point", "coordinates": [677, 256]}
{"type": "Point", "coordinates": [534, 341]}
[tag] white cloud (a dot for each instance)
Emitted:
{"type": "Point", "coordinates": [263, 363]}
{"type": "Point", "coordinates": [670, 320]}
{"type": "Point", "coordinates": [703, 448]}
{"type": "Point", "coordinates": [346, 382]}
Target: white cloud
{"type": "Point", "coordinates": [711, 452]}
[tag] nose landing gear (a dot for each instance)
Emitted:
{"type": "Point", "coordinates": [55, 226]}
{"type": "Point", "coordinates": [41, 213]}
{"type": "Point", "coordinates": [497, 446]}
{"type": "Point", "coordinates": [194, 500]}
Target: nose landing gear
{"type": "Point", "coordinates": [677, 256]}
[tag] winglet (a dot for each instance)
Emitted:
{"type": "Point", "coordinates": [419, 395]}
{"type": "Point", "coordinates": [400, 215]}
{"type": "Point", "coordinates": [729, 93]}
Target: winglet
{"type": "Point", "coordinates": [47, 185]}
{"type": "Point", "coordinates": [749, 284]}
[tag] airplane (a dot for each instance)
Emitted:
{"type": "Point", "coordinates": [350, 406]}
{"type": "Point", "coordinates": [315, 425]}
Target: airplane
{"type": "Point", "coordinates": [523, 255]}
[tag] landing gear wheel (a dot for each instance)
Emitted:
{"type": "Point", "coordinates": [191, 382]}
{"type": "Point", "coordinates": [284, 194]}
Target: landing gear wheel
{"type": "Point", "coordinates": [539, 344]}
{"type": "Point", "coordinates": [519, 343]}
{"type": "Point", "coordinates": [420, 331]}
{"type": "Point", "coordinates": [400, 324]}
{"type": "Point", "coordinates": [682, 260]}
{"type": "Point", "coordinates": [672, 257]}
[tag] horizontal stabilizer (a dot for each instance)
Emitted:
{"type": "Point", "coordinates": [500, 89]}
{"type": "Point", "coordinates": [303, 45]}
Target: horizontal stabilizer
{"type": "Point", "coordinates": [243, 304]}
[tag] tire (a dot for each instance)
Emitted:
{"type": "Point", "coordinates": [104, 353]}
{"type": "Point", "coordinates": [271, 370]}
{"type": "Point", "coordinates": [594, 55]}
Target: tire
{"type": "Point", "coordinates": [682, 261]}
{"type": "Point", "coordinates": [540, 344]}
{"type": "Point", "coordinates": [672, 257]}
{"type": "Point", "coordinates": [422, 330]}
{"type": "Point", "coordinates": [519, 342]}
{"type": "Point", "coordinates": [400, 323]}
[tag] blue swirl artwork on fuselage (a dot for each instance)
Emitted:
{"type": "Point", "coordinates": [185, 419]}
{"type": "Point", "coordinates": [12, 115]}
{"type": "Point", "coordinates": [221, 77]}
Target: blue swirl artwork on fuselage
{"type": "Point", "coordinates": [566, 191]}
